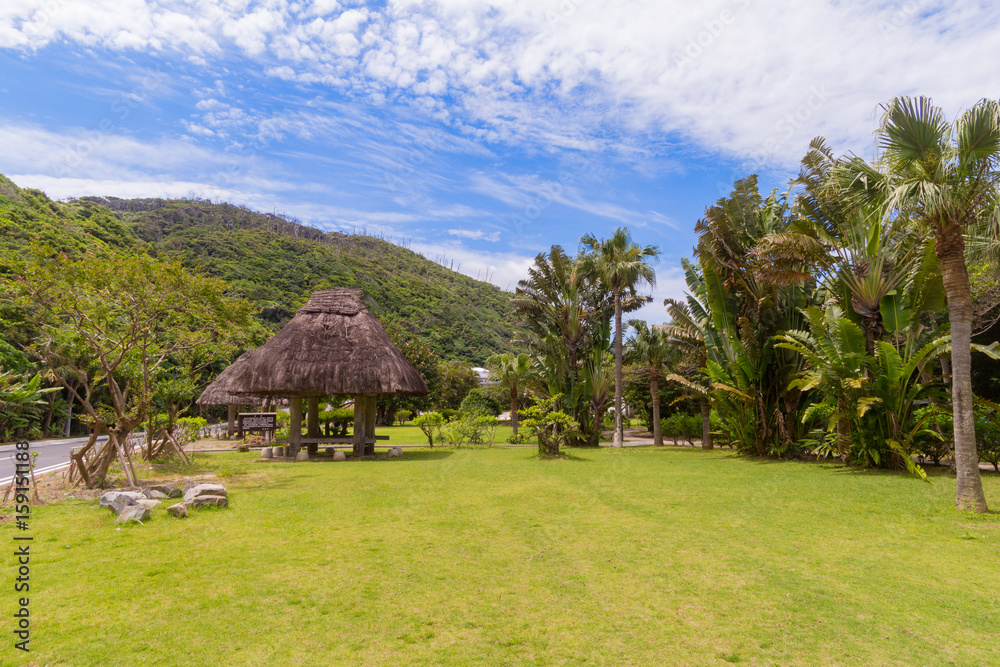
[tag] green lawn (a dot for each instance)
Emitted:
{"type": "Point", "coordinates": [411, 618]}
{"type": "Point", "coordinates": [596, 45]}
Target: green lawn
{"type": "Point", "coordinates": [493, 557]}
{"type": "Point", "coordinates": [408, 434]}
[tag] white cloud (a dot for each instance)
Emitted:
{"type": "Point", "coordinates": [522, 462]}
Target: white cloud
{"type": "Point", "coordinates": [476, 234]}
{"type": "Point", "coordinates": [752, 80]}
{"type": "Point", "coordinates": [503, 269]}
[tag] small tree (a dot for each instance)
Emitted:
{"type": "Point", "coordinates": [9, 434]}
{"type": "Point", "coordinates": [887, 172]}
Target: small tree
{"type": "Point", "coordinates": [549, 425]}
{"type": "Point", "coordinates": [111, 324]}
{"type": "Point", "coordinates": [431, 424]}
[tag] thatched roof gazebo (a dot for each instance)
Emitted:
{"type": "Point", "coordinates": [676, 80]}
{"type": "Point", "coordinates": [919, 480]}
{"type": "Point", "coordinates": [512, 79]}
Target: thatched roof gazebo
{"type": "Point", "coordinates": [217, 393]}
{"type": "Point", "coordinates": [333, 346]}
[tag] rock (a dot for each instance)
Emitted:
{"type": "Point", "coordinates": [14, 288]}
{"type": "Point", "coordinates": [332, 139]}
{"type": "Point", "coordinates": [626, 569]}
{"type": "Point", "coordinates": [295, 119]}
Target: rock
{"type": "Point", "coordinates": [266, 453]}
{"type": "Point", "coordinates": [188, 485]}
{"type": "Point", "coordinates": [208, 501]}
{"type": "Point", "coordinates": [134, 512]}
{"type": "Point", "coordinates": [180, 510]}
{"type": "Point", "coordinates": [108, 497]}
{"type": "Point", "coordinates": [302, 456]}
{"type": "Point", "coordinates": [148, 503]}
{"type": "Point", "coordinates": [243, 448]}
{"type": "Point", "coordinates": [119, 501]}
{"type": "Point", "coordinates": [328, 451]}
{"type": "Point", "coordinates": [154, 494]}
{"type": "Point", "coordinates": [168, 490]}
{"type": "Point", "coordinates": [339, 456]}
{"type": "Point", "coordinates": [395, 451]}
{"type": "Point", "coordinates": [277, 451]}
{"type": "Point", "coordinates": [204, 490]}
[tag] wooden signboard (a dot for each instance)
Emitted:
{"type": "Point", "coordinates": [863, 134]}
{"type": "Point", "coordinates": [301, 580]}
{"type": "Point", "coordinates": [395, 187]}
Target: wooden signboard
{"type": "Point", "coordinates": [257, 422]}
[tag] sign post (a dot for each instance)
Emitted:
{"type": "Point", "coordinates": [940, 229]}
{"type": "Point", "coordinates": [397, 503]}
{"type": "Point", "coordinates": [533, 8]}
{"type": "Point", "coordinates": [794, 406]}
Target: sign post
{"type": "Point", "coordinates": [257, 422]}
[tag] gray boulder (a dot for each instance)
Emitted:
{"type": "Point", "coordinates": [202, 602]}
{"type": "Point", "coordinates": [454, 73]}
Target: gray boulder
{"type": "Point", "coordinates": [154, 494]}
{"type": "Point", "coordinates": [110, 496]}
{"type": "Point", "coordinates": [302, 456]}
{"type": "Point", "coordinates": [134, 512]}
{"type": "Point", "coordinates": [149, 503]}
{"type": "Point", "coordinates": [208, 501]}
{"type": "Point", "coordinates": [339, 456]}
{"type": "Point", "coordinates": [265, 453]}
{"type": "Point", "coordinates": [179, 510]}
{"type": "Point", "coordinates": [395, 451]}
{"type": "Point", "coordinates": [204, 490]}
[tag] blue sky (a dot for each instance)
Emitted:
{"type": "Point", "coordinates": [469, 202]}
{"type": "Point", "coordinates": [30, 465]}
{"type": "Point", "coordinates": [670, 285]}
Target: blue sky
{"type": "Point", "coordinates": [476, 132]}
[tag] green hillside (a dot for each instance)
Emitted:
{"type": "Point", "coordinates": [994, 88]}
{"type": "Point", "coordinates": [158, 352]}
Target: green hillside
{"type": "Point", "coordinates": [275, 262]}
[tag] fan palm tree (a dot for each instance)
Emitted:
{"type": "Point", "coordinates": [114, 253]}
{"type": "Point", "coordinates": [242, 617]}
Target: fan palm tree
{"type": "Point", "coordinates": [621, 265]}
{"type": "Point", "coordinates": [511, 370]}
{"type": "Point", "coordinates": [946, 175]}
{"type": "Point", "coordinates": [687, 333]}
{"type": "Point", "coordinates": [650, 348]}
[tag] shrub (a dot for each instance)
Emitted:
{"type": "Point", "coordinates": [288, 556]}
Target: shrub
{"type": "Point", "coordinates": [680, 425]}
{"type": "Point", "coordinates": [188, 429]}
{"type": "Point", "coordinates": [403, 416]}
{"type": "Point", "coordinates": [988, 433]}
{"type": "Point", "coordinates": [431, 424]}
{"type": "Point", "coordinates": [450, 414]}
{"type": "Point", "coordinates": [476, 402]}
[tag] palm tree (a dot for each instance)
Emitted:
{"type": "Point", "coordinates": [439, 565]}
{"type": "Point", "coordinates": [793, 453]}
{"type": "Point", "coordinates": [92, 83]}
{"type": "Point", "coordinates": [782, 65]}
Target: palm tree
{"type": "Point", "coordinates": [621, 265]}
{"type": "Point", "coordinates": [650, 348]}
{"type": "Point", "coordinates": [511, 370]}
{"type": "Point", "coordinates": [947, 176]}
{"type": "Point", "coordinates": [686, 332]}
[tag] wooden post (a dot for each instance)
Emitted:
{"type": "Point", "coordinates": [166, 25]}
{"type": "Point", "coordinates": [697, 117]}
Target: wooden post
{"type": "Point", "coordinates": [312, 421]}
{"type": "Point", "coordinates": [295, 427]}
{"type": "Point", "coordinates": [370, 424]}
{"type": "Point", "coordinates": [231, 420]}
{"type": "Point", "coordinates": [360, 410]}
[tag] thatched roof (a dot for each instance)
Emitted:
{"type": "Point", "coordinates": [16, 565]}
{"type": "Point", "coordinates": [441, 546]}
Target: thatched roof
{"type": "Point", "coordinates": [332, 346]}
{"type": "Point", "coordinates": [217, 393]}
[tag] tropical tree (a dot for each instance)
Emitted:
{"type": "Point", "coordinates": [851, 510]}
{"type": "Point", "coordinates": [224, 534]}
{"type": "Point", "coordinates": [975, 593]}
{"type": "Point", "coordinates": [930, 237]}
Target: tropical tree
{"type": "Point", "coordinates": [687, 331]}
{"type": "Point", "coordinates": [511, 370]}
{"type": "Point", "coordinates": [621, 265]}
{"type": "Point", "coordinates": [111, 325]}
{"type": "Point", "coordinates": [649, 349]}
{"type": "Point", "coordinates": [946, 176]}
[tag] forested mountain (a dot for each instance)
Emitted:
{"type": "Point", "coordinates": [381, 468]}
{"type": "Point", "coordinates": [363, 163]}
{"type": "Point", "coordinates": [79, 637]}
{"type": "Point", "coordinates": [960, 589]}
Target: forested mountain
{"type": "Point", "coordinates": [275, 262]}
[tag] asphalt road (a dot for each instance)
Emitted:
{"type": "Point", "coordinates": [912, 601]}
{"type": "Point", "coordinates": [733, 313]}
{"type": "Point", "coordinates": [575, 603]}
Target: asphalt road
{"type": "Point", "coordinates": [51, 453]}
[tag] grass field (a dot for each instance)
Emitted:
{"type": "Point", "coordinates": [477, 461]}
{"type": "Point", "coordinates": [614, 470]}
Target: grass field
{"type": "Point", "coordinates": [492, 557]}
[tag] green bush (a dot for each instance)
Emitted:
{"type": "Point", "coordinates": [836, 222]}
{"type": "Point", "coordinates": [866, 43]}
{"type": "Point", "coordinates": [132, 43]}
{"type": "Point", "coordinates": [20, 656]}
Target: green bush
{"type": "Point", "coordinates": [431, 424]}
{"type": "Point", "coordinates": [680, 425]}
{"type": "Point", "coordinates": [188, 429]}
{"type": "Point", "coordinates": [476, 402]}
{"type": "Point", "coordinates": [403, 416]}
{"type": "Point", "coordinates": [450, 414]}
{"type": "Point", "coordinates": [988, 434]}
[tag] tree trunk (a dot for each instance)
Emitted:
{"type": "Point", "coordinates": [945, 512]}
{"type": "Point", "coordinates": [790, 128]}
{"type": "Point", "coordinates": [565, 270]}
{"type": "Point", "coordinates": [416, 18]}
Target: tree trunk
{"type": "Point", "coordinates": [843, 429]}
{"type": "Point", "coordinates": [706, 425]}
{"type": "Point", "coordinates": [513, 407]}
{"type": "Point", "coordinates": [654, 390]}
{"type": "Point", "coordinates": [949, 247]}
{"type": "Point", "coordinates": [619, 436]}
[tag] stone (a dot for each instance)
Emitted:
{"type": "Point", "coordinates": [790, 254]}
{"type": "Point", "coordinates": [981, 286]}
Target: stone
{"type": "Point", "coordinates": [149, 503]}
{"type": "Point", "coordinates": [243, 448]}
{"type": "Point", "coordinates": [154, 494]}
{"type": "Point", "coordinates": [339, 456]}
{"type": "Point", "coordinates": [180, 510]}
{"type": "Point", "coordinates": [302, 456]}
{"type": "Point", "coordinates": [135, 512]}
{"type": "Point", "coordinates": [278, 451]}
{"type": "Point", "coordinates": [266, 453]}
{"type": "Point", "coordinates": [208, 501]}
{"type": "Point", "coordinates": [108, 497]}
{"type": "Point", "coordinates": [120, 501]}
{"type": "Point", "coordinates": [169, 490]}
{"type": "Point", "coordinates": [204, 490]}
{"type": "Point", "coordinates": [395, 451]}
{"type": "Point", "coordinates": [328, 451]}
